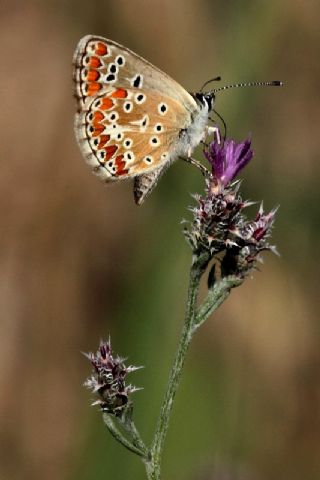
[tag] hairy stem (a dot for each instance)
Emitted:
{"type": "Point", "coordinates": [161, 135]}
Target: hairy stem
{"type": "Point", "coordinates": [215, 297]}
{"type": "Point", "coordinates": [153, 465]}
{"type": "Point", "coordinates": [193, 319]}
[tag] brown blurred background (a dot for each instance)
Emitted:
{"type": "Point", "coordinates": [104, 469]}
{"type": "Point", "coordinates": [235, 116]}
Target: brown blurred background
{"type": "Point", "coordinates": [80, 260]}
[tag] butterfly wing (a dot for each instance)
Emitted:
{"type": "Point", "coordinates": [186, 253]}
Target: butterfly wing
{"type": "Point", "coordinates": [100, 63]}
{"type": "Point", "coordinates": [130, 114]}
{"type": "Point", "coordinates": [124, 134]}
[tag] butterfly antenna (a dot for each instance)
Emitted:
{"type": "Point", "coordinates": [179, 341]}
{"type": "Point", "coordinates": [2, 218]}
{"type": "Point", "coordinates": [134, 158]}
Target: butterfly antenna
{"type": "Point", "coordinates": [274, 83]}
{"type": "Point", "coordinates": [215, 79]}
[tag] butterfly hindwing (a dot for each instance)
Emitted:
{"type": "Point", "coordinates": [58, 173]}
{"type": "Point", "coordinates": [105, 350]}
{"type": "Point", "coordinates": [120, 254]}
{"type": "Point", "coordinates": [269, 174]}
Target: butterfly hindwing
{"type": "Point", "coordinates": [126, 131]}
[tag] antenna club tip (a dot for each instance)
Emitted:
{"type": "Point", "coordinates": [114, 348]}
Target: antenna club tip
{"type": "Point", "coordinates": [277, 83]}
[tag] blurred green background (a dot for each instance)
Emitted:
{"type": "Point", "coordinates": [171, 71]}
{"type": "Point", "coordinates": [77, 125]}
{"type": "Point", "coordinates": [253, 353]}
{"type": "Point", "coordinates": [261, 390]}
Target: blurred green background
{"type": "Point", "coordinates": [79, 260]}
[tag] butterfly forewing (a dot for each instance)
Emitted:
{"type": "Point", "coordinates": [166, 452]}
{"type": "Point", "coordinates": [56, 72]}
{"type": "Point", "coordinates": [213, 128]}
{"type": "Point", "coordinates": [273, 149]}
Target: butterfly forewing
{"type": "Point", "coordinates": [101, 63]}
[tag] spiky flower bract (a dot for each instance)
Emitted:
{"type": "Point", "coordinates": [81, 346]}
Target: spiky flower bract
{"type": "Point", "coordinates": [107, 381]}
{"type": "Point", "coordinates": [220, 227]}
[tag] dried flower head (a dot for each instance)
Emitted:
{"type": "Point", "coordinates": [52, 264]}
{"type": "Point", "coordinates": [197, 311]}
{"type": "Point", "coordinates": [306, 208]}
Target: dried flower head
{"type": "Point", "coordinates": [220, 225]}
{"type": "Point", "coordinates": [107, 381]}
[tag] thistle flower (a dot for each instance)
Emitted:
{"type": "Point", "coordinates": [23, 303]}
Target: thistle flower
{"type": "Point", "coordinates": [107, 381]}
{"type": "Point", "coordinates": [220, 226]}
{"type": "Point", "coordinates": [228, 158]}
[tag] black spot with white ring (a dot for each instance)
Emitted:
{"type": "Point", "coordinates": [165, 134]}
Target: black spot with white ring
{"type": "Point", "coordinates": [97, 103]}
{"type": "Point", "coordinates": [113, 116]}
{"type": "Point", "coordinates": [129, 156]}
{"type": "Point", "coordinates": [113, 68]}
{"type": "Point", "coordinates": [145, 121]}
{"type": "Point", "coordinates": [127, 143]}
{"type": "Point", "coordinates": [162, 108]}
{"type": "Point", "coordinates": [137, 81]}
{"type": "Point", "coordinates": [127, 107]}
{"type": "Point", "coordinates": [140, 98]}
{"type": "Point", "coordinates": [101, 154]}
{"type": "Point", "coordinates": [154, 141]}
{"type": "Point", "coordinates": [110, 78]}
{"type": "Point", "coordinates": [120, 60]}
{"type": "Point", "coordinates": [158, 127]}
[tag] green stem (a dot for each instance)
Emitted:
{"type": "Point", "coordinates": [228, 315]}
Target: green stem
{"type": "Point", "coordinates": [215, 297]}
{"type": "Point", "coordinates": [108, 420]}
{"type": "Point", "coordinates": [154, 462]}
{"type": "Point", "coordinates": [193, 319]}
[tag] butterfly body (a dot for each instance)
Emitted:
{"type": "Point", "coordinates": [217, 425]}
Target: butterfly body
{"type": "Point", "coordinates": [133, 120]}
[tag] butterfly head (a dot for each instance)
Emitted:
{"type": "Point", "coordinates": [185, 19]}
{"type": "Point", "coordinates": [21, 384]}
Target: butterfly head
{"type": "Point", "coordinates": [205, 100]}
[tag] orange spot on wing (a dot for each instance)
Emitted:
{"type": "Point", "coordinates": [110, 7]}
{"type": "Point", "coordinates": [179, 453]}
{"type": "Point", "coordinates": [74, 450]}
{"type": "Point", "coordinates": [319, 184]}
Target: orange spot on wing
{"type": "Point", "coordinates": [120, 164]}
{"type": "Point", "coordinates": [98, 129]}
{"type": "Point", "coordinates": [93, 88]}
{"type": "Point", "coordinates": [110, 151]}
{"type": "Point", "coordinates": [119, 93]}
{"type": "Point", "coordinates": [92, 75]}
{"type": "Point", "coordinates": [107, 103]}
{"type": "Point", "coordinates": [94, 62]}
{"type": "Point", "coordinates": [103, 140]}
{"type": "Point", "coordinates": [97, 116]}
{"type": "Point", "coordinates": [101, 49]}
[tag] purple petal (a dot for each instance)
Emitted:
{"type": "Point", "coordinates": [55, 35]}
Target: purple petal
{"type": "Point", "coordinates": [228, 158]}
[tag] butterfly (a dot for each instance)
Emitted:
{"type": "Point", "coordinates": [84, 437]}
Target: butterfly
{"type": "Point", "coordinates": [133, 120]}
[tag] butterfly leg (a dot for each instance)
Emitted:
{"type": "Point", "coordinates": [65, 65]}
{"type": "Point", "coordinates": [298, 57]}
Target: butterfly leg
{"type": "Point", "coordinates": [197, 164]}
{"type": "Point", "coordinates": [214, 131]}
